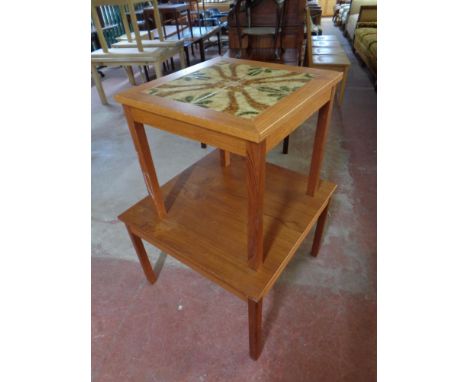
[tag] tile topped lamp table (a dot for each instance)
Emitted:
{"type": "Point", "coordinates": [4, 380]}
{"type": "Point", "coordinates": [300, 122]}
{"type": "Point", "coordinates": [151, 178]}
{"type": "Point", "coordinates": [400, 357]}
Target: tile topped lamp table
{"type": "Point", "coordinates": [231, 216]}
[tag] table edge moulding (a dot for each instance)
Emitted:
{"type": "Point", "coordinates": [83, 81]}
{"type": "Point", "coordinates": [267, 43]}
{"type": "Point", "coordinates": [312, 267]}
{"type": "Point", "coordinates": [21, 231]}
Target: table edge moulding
{"type": "Point", "coordinates": [254, 214]}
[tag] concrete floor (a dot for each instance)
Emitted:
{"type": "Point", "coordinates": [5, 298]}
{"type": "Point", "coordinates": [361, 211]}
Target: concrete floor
{"type": "Point", "coordinates": [319, 319]}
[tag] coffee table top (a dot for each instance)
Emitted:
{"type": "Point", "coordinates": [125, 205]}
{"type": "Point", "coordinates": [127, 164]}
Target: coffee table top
{"type": "Point", "coordinates": [242, 98]}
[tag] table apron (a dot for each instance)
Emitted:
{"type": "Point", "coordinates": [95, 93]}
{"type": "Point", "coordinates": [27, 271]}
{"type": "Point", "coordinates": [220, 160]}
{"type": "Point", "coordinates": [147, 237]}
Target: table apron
{"type": "Point", "coordinates": [296, 119]}
{"type": "Point", "coordinates": [194, 132]}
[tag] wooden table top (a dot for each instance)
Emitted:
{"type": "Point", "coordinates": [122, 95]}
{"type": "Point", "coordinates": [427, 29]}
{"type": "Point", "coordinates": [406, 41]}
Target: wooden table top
{"type": "Point", "coordinates": [240, 98]}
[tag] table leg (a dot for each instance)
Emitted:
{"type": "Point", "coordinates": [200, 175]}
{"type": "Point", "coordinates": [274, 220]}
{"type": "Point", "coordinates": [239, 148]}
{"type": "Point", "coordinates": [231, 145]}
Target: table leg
{"type": "Point", "coordinates": [142, 256]}
{"type": "Point", "coordinates": [286, 145]}
{"type": "Point", "coordinates": [225, 158]}
{"type": "Point", "coordinates": [255, 328]}
{"type": "Point", "coordinates": [255, 161]}
{"type": "Point", "coordinates": [319, 144]}
{"type": "Point", "coordinates": [137, 131]}
{"type": "Point", "coordinates": [98, 83]}
{"type": "Point", "coordinates": [343, 85]}
{"type": "Point", "coordinates": [319, 231]}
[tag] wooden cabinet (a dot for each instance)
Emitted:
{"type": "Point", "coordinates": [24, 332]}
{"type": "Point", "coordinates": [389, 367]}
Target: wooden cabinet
{"type": "Point", "coordinates": [327, 7]}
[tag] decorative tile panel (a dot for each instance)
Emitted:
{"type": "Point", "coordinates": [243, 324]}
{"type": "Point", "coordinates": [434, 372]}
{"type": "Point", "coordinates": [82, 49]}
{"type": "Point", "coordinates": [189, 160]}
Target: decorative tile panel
{"type": "Point", "coordinates": [239, 89]}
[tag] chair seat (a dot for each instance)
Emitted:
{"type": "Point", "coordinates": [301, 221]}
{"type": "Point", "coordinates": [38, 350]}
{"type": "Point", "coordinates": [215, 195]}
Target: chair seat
{"type": "Point", "coordinates": [114, 54]}
{"type": "Point", "coordinates": [149, 44]}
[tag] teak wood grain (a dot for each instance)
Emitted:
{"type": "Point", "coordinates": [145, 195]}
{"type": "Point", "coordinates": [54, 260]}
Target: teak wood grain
{"type": "Point", "coordinates": [319, 145]}
{"type": "Point", "coordinates": [236, 219]}
{"type": "Point", "coordinates": [255, 328]}
{"type": "Point", "coordinates": [217, 197]}
{"type": "Point", "coordinates": [137, 131]}
{"type": "Point", "coordinates": [319, 232]}
{"type": "Point", "coordinates": [255, 162]}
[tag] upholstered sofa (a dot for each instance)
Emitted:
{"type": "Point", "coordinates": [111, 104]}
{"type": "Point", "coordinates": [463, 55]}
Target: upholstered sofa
{"type": "Point", "coordinates": [365, 37]}
{"type": "Point", "coordinates": [354, 14]}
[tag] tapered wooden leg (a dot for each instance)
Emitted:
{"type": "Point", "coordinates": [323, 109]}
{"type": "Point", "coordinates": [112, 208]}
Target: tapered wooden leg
{"type": "Point", "coordinates": [255, 328]}
{"type": "Point", "coordinates": [225, 158]}
{"type": "Point", "coordinates": [137, 131]}
{"type": "Point", "coordinates": [286, 145]}
{"type": "Point", "coordinates": [255, 161]}
{"type": "Point", "coordinates": [319, 145]}
{"type": "Point", "coordinates": [319, 231]}
{"type": "Point", "coordinates": [98, 83]}
{"type": "Point", "coordinates": [131, 77]}
{"type": "Point", "coordinates": [343, 85]}
{"type": "Point", "coordinates": [143, 257]}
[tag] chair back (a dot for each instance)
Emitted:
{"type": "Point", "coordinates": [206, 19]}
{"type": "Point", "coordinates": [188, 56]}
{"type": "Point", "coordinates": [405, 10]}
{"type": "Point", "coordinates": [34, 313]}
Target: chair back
{"type": "Point", "coordinates": [123, 6]}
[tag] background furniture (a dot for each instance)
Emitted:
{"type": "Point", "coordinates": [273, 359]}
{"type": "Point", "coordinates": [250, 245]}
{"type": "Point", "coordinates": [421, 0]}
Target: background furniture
{"type": "Point", "coordinates": [127, 56]}
{"type": "Point", "coordinates": [328, 7]}
{"type": "Point", "coordinates": [353, 16]}
{"type": "Point", "coordinates": [365, 37]}
{"type": "Point", "coordinates": [264, 15]}
{"type": "Point", "coordinates": [237, 221]}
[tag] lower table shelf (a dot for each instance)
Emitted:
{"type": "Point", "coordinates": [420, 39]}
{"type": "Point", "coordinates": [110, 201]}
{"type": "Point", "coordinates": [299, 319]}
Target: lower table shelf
{"type": "Point", "coordinates": [206, 225]}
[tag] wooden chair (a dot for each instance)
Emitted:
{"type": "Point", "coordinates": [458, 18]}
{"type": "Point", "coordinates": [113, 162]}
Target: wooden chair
{"type": "Point", "coordinates": [133, 52]}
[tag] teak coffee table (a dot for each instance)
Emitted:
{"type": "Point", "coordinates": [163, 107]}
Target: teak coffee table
{"type": "Point", "coordinates": [236, 220]}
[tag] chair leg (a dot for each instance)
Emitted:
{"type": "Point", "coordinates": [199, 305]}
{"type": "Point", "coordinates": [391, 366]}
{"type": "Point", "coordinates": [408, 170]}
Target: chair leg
{"type": "Point", "coordinates": [319, 232]}
{"type": "Point", "coordinates": [183, 62]}
{"type": "Point", "coordinates": [130, 75]}
{"type": "Point", "coordinates": [146, 71]}
{"type": "Point", "coordinates": [255, 328]}
{"type": "Point", "coordinates": [286, 145]}
{"type": "Point", "coordinates": [158, 69]}
{"type": "Point", "coordinates": [98, 83]}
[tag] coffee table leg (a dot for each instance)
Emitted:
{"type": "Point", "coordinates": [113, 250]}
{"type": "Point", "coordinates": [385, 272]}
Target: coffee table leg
{"type": "Point", "coordinates": [255, 162]}
{"type": "Point", "coordinates": [137, 131]}
{"type": "Point", "coordinates": [143, 257]}
{"type": "Point", "coordinates": [255, 328]}
{"type": "Point", "coordinates": [321, 132]}
{"type": "Point", "coordinates": [319, 231]}
{"type": "Point", "coordinates": [225, 158]}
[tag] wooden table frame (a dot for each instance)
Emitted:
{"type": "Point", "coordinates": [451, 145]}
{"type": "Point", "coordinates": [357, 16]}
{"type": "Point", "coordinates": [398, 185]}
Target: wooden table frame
{"type": "Point", "coordinates": [215, 129]}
